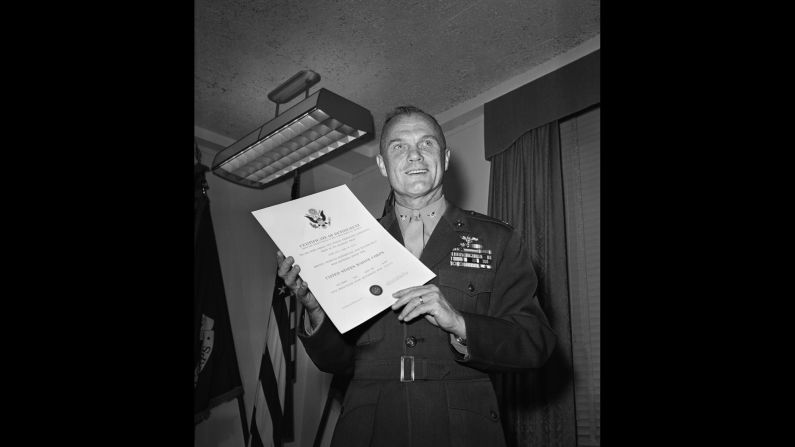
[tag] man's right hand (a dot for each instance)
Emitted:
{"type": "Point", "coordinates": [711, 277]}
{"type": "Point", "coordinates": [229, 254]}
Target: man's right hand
{"type": "Point", "coordinates": [289, 273]}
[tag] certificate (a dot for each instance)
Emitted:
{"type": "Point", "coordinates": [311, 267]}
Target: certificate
{"type": "Point", "coordinates": [352, 264]}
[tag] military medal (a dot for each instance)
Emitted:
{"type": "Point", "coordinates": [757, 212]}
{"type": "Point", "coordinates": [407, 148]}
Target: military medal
{"type": "Point", "coordinates": [470, 254]}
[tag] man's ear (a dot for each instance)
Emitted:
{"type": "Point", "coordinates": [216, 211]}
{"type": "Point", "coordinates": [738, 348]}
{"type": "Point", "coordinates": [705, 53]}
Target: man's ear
{"type": "Point", "coordinates": [381, 166]}
{"type": "Point", "coordinates": [446, 158]}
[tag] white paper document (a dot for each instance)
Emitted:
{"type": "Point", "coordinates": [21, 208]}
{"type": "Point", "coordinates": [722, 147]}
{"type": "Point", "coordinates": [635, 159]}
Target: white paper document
{"type": "Point", "coordinates": [352, 264]}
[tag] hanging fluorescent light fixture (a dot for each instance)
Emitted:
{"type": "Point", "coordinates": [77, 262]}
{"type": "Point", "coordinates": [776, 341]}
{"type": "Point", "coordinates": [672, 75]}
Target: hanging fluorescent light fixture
{"type": "Point", "coordinates": [321, 123]}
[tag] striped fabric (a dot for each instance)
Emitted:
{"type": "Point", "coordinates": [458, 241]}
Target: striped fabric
{"type": "Point", "coordinates": [272, 419]}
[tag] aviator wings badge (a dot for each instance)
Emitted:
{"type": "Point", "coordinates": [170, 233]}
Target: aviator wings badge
{"type": "Point", "coordinates": [467, 241]}
{"type": "Point", "coordinates": [469, 254]}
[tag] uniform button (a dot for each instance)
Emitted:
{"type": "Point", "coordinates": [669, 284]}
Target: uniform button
{"type": "Point", "coordinates": [471, 288]}
{"type": "Point", "coordinates": [458, 223]}
{"type": "Point", "coordinates": [411, 341]}
{"type": "Point", "coordinates": [493, 415]}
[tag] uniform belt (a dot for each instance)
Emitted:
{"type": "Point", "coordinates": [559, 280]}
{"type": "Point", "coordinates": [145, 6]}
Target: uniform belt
{"type": "Point", "coordinates": [409, 368]}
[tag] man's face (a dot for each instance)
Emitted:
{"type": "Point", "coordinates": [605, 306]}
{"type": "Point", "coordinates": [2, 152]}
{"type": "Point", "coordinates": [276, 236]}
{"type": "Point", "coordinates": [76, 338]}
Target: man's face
{"type": "Point", "coordinates": [412, 157]}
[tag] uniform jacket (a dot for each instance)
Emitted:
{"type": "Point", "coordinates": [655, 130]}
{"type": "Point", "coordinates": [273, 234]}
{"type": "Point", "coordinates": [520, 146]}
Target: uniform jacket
{"type": "Point", "coordinates": [451, 401]}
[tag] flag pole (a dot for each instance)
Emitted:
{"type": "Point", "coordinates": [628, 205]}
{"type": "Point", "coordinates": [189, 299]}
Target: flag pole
{"type": "Point", "coordinates": [242, 407]}
{"type": "Point", "coordinates": [336, 391]}
{"type": "Point", "coordinates": [295, 307]}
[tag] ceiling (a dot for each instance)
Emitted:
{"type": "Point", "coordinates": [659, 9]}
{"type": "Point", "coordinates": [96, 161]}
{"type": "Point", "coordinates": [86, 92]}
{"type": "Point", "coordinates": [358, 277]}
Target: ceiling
{"type": "Point", "coordinates": [434, 54]}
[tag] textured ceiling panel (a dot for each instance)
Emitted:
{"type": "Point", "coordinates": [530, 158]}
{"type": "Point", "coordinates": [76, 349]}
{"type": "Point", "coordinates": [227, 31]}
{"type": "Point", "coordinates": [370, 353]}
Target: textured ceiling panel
{"type": "Point", "coordinates": [433, 54]}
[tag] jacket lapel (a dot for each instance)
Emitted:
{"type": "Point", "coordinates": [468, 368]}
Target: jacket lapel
{"type": "Point", "coordinates": [443, 238]}
{"type": "Point", "coordinates": [390, 224]}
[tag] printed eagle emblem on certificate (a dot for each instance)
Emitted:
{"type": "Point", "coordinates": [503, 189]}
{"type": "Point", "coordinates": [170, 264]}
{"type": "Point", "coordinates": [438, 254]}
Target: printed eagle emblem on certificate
{"type": "Point", "coordinates": [317, 219]}
{"type": "Point", "coordinates": [353, 266]}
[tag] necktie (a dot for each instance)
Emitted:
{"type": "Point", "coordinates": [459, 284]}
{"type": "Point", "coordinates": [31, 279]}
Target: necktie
{"type": "Point", "coordinates": [414, 234]}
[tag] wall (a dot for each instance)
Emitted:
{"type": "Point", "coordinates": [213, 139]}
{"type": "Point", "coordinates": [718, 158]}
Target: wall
{"type": "Point", "coordinates": [466, 181]}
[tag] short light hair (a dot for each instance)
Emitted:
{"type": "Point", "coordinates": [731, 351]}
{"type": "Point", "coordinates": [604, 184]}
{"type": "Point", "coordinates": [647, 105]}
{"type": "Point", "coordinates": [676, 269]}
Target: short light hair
{"type": "Point", "coordinates": [411, 110]}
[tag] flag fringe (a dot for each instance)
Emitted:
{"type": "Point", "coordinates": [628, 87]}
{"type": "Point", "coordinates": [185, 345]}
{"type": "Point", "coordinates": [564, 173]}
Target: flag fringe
{"type": "Point", "coordinates": [215, 401]}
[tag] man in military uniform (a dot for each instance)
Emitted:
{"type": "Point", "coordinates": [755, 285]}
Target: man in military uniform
{"type": "Point", "coordinates": [420, 369]}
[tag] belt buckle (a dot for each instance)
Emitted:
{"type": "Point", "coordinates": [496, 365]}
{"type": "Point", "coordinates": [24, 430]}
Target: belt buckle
{"type": "Point", "coordinates": [403, 377]}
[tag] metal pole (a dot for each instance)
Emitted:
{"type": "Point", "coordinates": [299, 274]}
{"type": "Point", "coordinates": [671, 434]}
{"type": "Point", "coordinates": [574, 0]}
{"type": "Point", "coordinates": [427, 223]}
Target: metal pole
{"type": "Point", "coordinates": [242, 408]}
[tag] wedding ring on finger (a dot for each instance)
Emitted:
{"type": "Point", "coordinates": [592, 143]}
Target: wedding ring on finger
{"type": "Point", "coordinates": [421, 302]}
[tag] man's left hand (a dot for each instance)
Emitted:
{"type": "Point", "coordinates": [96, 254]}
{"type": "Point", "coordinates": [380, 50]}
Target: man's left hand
{"type": "Point", "coordinates": [429, 301]}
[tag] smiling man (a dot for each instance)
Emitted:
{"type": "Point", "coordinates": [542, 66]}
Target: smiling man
{"type": "Point", "coordinates": [421, 369]}
{"type": "Point", "coordinates": [414, 158]}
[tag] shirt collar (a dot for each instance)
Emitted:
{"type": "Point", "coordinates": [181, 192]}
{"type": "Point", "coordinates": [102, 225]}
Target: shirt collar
{"type": "Point", "coordinates": [432, 211]}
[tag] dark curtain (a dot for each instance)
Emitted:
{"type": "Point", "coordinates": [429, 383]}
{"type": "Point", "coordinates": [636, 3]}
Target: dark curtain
{"type": "Point", "coordinates": [526, 190]}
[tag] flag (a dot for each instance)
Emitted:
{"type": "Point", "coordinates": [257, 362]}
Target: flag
{"type": "Point", "coordinates": [336, 394]}
{"type": "Point", "coordinates": [272, 418]}
{"type": "Point", "coordinates": [216, 377]}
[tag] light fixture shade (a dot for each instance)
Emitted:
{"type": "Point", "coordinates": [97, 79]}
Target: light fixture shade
{"type": "Point", "coordinates": [319, 124]}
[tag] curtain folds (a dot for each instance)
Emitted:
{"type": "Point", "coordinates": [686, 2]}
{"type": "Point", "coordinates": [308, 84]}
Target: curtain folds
{"type": "Point", "coordinates": [526, 190]}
